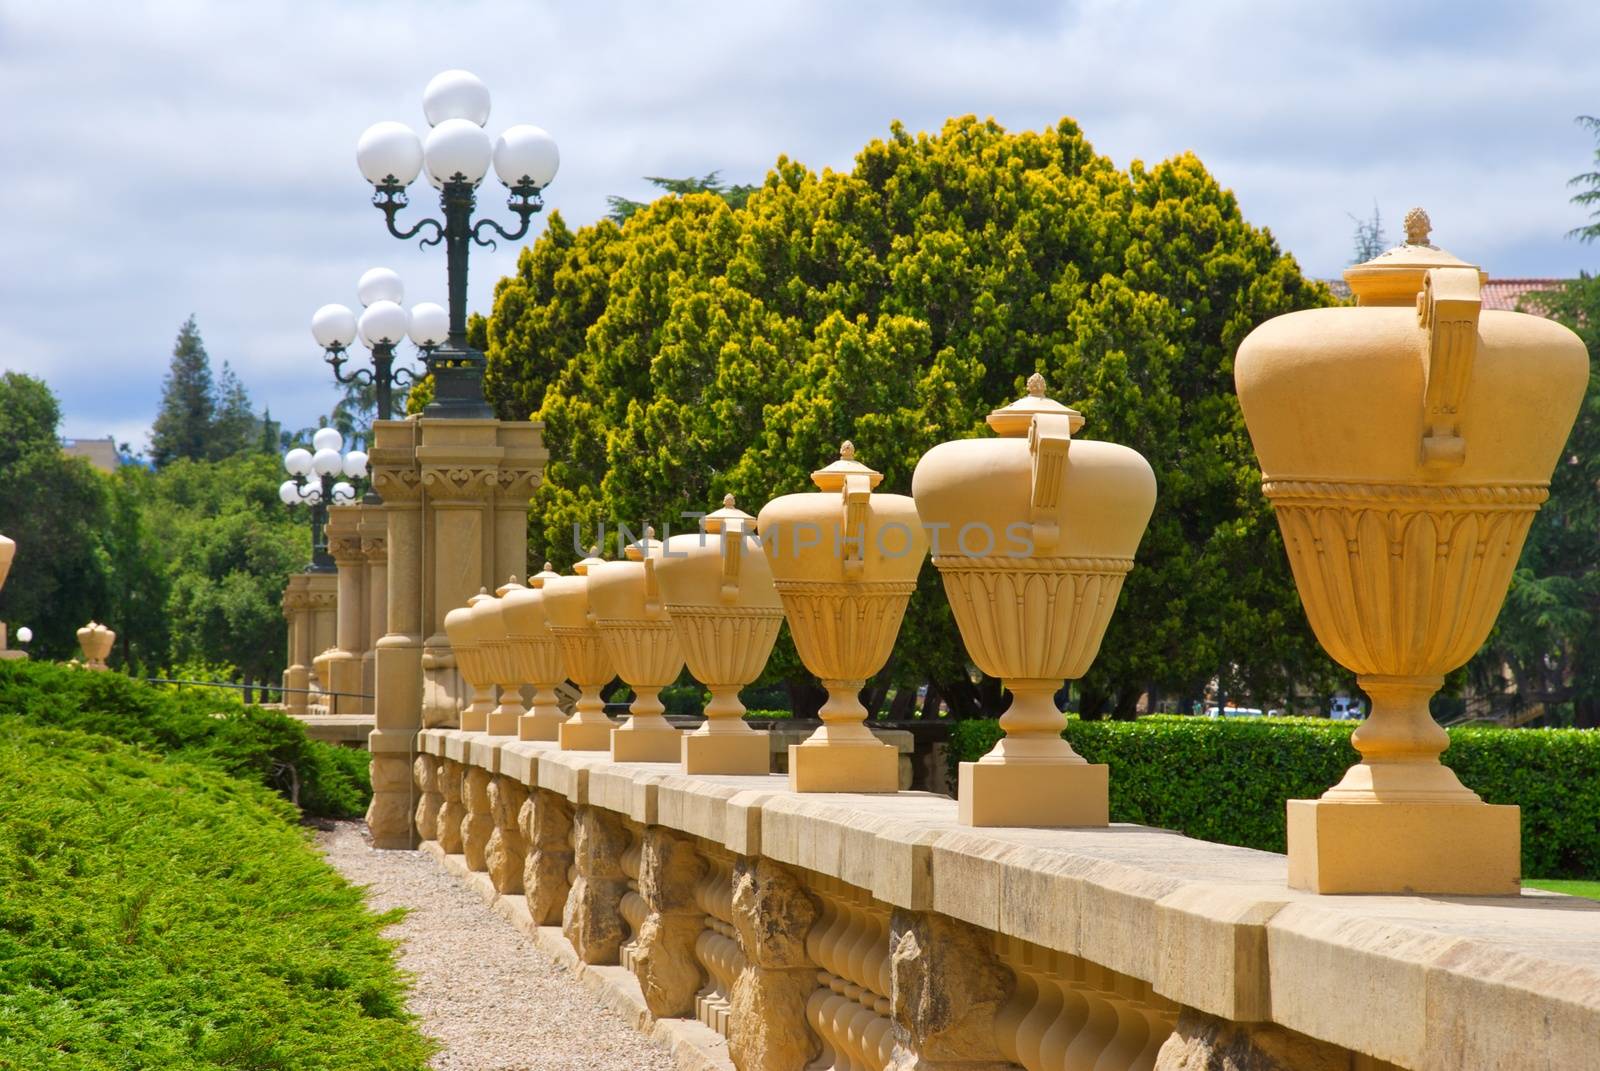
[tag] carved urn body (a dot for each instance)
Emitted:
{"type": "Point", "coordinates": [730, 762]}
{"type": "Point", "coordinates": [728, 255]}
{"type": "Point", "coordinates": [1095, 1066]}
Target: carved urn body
{"type": "Point", "coordinates": [1406, 445]}
{"type": "Point", "coordinates": [494, 652]}
{"type": "Point", "coordinates": [566, 604]}
{"type": "Point", "coordinates": [1033, 533]}
{"type": "Point", "coordinates": [461, 627]}
{"type": "Point", "coordinates": [535, 655]}
{"type": "Point", "coordinates": [625, 600]}
{"type": "Point", "coordinates": [95, 641]}
{"type": "Point", "coordinates": [717, 586]}
{"type": "Point", "coordinates": [844, 561]}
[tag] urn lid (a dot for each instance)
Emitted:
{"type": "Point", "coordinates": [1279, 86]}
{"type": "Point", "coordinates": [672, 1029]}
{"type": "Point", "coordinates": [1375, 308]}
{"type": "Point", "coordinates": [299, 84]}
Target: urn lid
{"type": "Point", "coordinates": [1012, 421]}
{"type": "Point", "coordinates": [728, 516]}
{"type": "Point", "coordinates": [483, 593]}
{"type": "Point", "coordinates": [509, 586]}
{"type": "Point", "coordinates": [646, 547]}
{"type": "Point", "coordinates": [832, 477]}
{"type": "Point", "coordinates": [1395, 276]}
{"type": "Point", "coordinates": [537, 579]}
{"type": "Point", "coordinates": [581, 567]}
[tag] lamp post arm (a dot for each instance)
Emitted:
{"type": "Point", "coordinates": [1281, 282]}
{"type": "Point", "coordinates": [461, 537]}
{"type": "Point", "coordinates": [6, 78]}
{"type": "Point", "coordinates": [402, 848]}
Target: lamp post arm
{"type": "Point", "coordinates": [390, 198]}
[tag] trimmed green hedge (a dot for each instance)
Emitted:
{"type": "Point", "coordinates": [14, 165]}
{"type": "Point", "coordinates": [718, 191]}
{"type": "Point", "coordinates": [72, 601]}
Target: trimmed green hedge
{"type": "Point", "coordinates": [1226, 780]}
{"type": "Point", "coordinates": [209, 727]}
{"type": "Point", "coordinates": [161, 914]}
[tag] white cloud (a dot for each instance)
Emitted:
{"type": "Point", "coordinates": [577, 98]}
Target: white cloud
{"type": "Point", "coordinates": [169, 158]}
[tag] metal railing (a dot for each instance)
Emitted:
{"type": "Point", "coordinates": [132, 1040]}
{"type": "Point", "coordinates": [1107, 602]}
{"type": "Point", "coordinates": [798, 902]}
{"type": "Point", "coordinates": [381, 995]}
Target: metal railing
{"type": "Point", "coordinates": [264, 689]}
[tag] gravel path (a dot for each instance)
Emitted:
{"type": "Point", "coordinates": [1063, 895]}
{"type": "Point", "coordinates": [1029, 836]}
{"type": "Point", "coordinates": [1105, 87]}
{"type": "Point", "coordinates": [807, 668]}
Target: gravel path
{"type": "Point", "coordinates": [493, 1000]}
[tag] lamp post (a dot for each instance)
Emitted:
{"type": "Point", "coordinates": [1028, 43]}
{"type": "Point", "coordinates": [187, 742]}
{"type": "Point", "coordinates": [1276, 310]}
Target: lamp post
{"type": "Point", "coordinates": [314, 482]}
{"type": "Point", "coordinates": [381, 326]}
{"type": "Point", "coordinates": [457, 155]}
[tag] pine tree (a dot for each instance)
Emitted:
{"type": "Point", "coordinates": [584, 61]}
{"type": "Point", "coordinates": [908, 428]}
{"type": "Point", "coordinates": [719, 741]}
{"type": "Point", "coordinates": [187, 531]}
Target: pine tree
{"type": "Point", "coordinates": [235, 427]}
{"type": "Point", "coordinates": [183, 426]}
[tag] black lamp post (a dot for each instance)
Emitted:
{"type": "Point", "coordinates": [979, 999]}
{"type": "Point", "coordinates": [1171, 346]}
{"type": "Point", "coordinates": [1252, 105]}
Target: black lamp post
{"type": "Point", "coordinates": [383, 323]}
{"type": "Point", "coordinates": [457, 155]}
{"type": "Point", "coordinates": [314, 481]}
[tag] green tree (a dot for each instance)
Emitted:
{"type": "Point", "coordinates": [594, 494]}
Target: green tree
{"type": "Point", "coordinates": [137, 568]}
{"type": "Point", "coordinates": [1588, 183]}
{"type": "Point", "coordinates": [621, 209]}
{"type": "Point", "coordinates": [720, 348]}
{"type": "Point", "coordinates": [55, 508]}
{"type": "Point", "coordinates": [183, 425]}
{"type": "Point", "coordinates": [235, 428]}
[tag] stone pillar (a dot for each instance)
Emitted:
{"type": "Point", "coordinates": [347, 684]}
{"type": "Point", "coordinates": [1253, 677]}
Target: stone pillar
{"type": "Point", "coordinates": [297, 677]}
{"type": "Point", "coordinates": [546, 820]}
{"type": "Point", "coordinates": [772, 912]}
{"type": "Point", "coordinates": [592, 918]}
{"type": "Point", "coordinates": [375, 550]}
{"type": "Point", "coordinates": [322, 601]}
{"type": "Point", "coordinates": [663, 960]}
{"type": "Point", "coordinates": [947, 988]}
{"type": "Point", "coordinates": [455, 495]}
{"type": "Point", "coordinates": [344, 659]}
{"type": "Point", "coordinates": [508, 848]}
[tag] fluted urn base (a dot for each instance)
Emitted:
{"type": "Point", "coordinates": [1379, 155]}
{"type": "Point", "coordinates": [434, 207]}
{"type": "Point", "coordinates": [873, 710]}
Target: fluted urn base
{"type": "Point", "coordinates": [544, 719]}
{"type": "Point", "coordinates": [1040, 794]}
{"type": "Point", "coordinates": [1440, 849]}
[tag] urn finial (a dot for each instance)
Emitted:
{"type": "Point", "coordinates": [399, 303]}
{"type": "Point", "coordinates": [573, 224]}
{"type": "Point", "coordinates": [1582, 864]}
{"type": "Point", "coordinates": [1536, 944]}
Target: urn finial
{"type": "Point", "coordinates": [847, 451]}
{"type": "Point", "coordinates": [1036, 386]}
{"type": "Point", "coordinates": [549, 568]}
{"type": "Point", "coordinates": [1417, 227]}
{"type": "Point", "coordinates": [727, 500]}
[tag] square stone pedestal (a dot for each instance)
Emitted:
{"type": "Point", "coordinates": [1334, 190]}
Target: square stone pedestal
{"type": "Point", "coordinates": [1050, 795]}
{"type": "Point", "coordinates": [585, 736]}
{"type": "Point", "coordinates": [502, 724]}
{"type": "Point", "coordinates": [540, 726]}
{"type": "Point", "coordinates": [646, 745]}
{"type": "Point", "coordinates": [844, 768]}
{"type": "Point", "coordinates": [727, 753]}
{"type": "Point", "coordinates": [1459, 849]}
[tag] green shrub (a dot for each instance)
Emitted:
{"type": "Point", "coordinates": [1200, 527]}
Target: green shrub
{"type": "Point", "coordinates": [1226, 780]}
{"type": "Point", "coordinates": [160, 914]}
{"type": "Point", "coordinates": [206, 726]}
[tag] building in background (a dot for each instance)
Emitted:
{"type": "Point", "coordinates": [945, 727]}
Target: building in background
{"type": "Point", "coordinates": [101, 453]}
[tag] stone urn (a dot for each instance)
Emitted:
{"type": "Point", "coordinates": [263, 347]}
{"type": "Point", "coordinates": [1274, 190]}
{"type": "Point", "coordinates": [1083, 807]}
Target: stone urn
{"type": "Point", "coordinates": [1033, 533]}
{"type": "Point", "coordinates": [461, 627]}
{"type": "Point", "coordinates": [566, 603]}
{"type": "Point", "coordinates": [1405, 446]}
{"type": "Point", "coordinates": [625, 599]}
{"type": "Point", "coordinates": [717, 586]}
{"type": "Point", "coordinates": [844, 560]}
{"type": "Point", "coordinates": [494, 646]}
{"type": "Point", "coordinates": [536, 654]}
{"type": "Point", "coordinates": [95, 641]}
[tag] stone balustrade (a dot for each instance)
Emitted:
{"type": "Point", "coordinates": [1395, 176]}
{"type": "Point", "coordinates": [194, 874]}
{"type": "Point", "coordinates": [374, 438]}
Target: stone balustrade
{"type": "Point", "coordinates": [751, 926]}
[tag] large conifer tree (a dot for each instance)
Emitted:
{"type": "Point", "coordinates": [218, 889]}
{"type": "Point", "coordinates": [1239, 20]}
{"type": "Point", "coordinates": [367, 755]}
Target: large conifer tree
{"type": "Point", "coordinates": [183, 425]}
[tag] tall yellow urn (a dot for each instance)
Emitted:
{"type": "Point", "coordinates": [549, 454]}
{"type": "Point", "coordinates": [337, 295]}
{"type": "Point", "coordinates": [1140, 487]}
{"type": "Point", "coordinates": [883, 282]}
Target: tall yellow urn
{"type": "Point", "coordinates": [1406, 445]}
{"type": "Point", "coordinates": [461, 628]}
{"type": "Point", "coordinates": [844, 561]}
{"type": "Point", "coordinates": [536, 655]}
{"type": "Point", "coordinates": [625, 599]}
{"type": "Point", "coordinates": [494, 647]}
{"type": "Point", "coordinates": [589, 665]}
{"type": "Point", "coordinates": [1033, 533]}
{"type": "Point", "coordinates": [718, 590]}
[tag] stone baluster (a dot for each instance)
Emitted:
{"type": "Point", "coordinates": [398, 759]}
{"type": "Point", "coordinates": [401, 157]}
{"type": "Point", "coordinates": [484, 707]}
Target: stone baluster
{"type": "Point", "coordinates": [850, 945]}
{"type": "Point", "coordinates": [546, 820]}
{"type": "Point", "coordinates": [632, 908]}
{"type": "Point", "coordinates": [453, 810]}
{"type": "Point", "coordinates": [773, 914]}
{"type": "Point", "coordinates": [948, 992]}
{"type": "Point", "coordinates": [507, 849]}
{"type": "Point", "coordinates": [478, 822]}
{"type": "Point", "coordinates": [592, 918]}
{"type": "Point", "coordinates": [670, 873]}
{"type": "Point", "coordinates": [716, 947]}
{"type": "Point", "coordinates": [429, 796]}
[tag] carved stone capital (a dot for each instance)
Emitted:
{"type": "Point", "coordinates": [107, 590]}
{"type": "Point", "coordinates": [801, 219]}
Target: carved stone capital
{"type": "Point", "coordinates": [459, 482]}
{"type": "Point", "coordinates": [397, 484]}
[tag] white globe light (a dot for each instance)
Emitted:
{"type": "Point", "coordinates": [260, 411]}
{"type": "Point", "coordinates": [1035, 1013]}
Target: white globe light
{"type": "Point", "coordinates": [355, 464]}
{"type": "Point", "coordinates": [380, 284]}
{"type": "Point", "coordinates": [526, 153]}
{"type": "Point", "coordinates": [297, 462]}
{"type": "Point", "coordinates": [457, 147]}
{"type": "Point", "coordinates": [343, 492]}
{"type": "Point", "coordinates": [311, 493]}
{"type": "Point", "coordinates": [430, 324]}
{"type": "Point", "coordinates": [24, 634]}
{"type": "Point", "coordinates": [333, 326]}
{"type": "Point", "coordinates": [388, 151]}
{"type": "Point", "coordinates": [289, 492]}
{"type": "Point", "coordinates": [326, 462]}
{"type": "Point", "coordinates": [384, 322]}
{"type": "Point", "coordinates": [456, 95]}
{"type": "Point", "coordinates": [327, 439]}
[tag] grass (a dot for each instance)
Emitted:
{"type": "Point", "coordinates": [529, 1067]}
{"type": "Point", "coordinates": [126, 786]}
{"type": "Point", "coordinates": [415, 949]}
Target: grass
{"type": "Point", "coordinates": [159, 913]}
{"type": "Point", "coordinates": [1589, 889]}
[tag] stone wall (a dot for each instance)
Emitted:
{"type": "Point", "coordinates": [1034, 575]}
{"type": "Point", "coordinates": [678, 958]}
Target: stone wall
{"type": "Point", "coordinates": [750, 925]}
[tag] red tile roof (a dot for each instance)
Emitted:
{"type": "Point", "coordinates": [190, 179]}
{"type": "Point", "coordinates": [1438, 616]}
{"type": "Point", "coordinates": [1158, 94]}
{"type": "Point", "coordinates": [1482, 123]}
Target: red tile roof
{"type": "Point", "coordinates": [1503, 294]}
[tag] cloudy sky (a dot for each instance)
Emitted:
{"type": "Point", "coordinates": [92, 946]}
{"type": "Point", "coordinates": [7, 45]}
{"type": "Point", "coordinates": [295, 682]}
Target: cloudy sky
{"type": "Point", "coordinates": [169, 158]}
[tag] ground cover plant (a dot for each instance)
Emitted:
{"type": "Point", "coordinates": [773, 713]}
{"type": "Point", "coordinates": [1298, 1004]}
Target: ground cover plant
{"type": "Point", "coordinates": [208, 727]}
{"type": "Point", "coordinates": [159, 913]}
{"type": "Point", "coordinates": [1226, 780]}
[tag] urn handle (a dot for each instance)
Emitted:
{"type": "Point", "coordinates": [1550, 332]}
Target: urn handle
{"type": "Point", "coordinates": [732, 559]}
{"type": "Point", "coordinates": [857, 501]}
{"type": "Point", "coordinates": [1049, 437]}
{"type": "Point", "coordinates": [1447, 309]}
{"type": "Point", "coordinates": [652, 592]}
